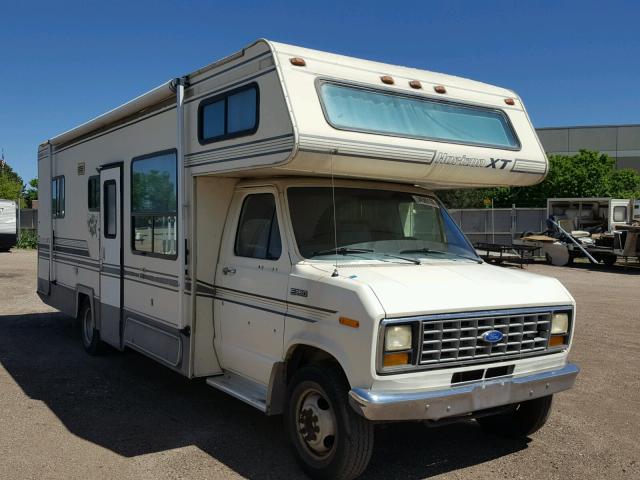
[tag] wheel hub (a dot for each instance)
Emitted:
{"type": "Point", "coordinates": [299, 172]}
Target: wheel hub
{"type": "Point", "coordinates": [316, 424]}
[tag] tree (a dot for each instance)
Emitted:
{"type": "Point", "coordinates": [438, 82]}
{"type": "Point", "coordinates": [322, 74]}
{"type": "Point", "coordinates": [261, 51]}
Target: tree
{"type": "Point", "coordinates": [587, 174]}
{"type": "Point", "coordinates": [11, 185]}
{"type": "Point", "coordinates": [31, 193]}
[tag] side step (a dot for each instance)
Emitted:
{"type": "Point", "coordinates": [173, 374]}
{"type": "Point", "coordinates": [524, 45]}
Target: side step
{"type": "Point", "coordinates": [242, 388]}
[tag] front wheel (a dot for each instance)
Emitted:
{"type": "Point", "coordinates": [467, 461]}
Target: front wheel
{"type": "Point", "coordinates": [525, 418]}
{"type": "Point", "coordinates": [330, 440]}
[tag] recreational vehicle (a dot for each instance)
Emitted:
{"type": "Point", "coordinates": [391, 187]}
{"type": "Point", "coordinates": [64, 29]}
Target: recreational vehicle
{"type": "Point", "coordinates": [601, 229]}
{"type": "Point", "coordinates": [269, 223]}
{"type": "Point", "coordinates": [8, 224]}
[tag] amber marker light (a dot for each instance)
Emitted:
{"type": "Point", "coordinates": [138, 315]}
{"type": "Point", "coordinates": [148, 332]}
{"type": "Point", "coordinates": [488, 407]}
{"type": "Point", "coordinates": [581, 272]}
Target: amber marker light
{"type": "Point", "coordinates": [387, 79]}
{"type": "Point", "coordinates": [395, 359]}
{"type": "Point", "coordinates": [415, 84]}
{"type": "Point", "coordinates": [349, 322]}
{"type": "Point", "coordinates": [297, 61]}
{"type": "Point", "coordinates": [440, 89]}
{"type": "Point", "coordinates": [509, 101]}
{"type": "Point", "coordinates": [556, 340]}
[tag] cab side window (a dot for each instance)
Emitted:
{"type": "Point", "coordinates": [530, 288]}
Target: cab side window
{"type": "Point", "coordinates": [258, 234]}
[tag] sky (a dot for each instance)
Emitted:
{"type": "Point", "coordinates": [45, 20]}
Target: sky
{"type": "Point", "coordinates": [65, 62]}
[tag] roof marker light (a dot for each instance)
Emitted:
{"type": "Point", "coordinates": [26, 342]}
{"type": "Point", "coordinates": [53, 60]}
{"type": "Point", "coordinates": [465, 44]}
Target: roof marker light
{"type": "Point", "coordinates": [415, 84]}
{"type": "Point", "coordinates": [440, 89]}
{"type": "Point", "coordinates": [387, 79]}
{"type": "Point", "coordinates": [298, 62]}
{"type": "Point", "coordinates": [509, 101]}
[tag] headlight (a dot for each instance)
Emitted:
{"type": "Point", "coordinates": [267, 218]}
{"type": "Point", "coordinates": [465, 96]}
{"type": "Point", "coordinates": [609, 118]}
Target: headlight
{"type": "Point", "coordinates": [559, 323]}
{"type": "Point", "coordinates": [397, 337]}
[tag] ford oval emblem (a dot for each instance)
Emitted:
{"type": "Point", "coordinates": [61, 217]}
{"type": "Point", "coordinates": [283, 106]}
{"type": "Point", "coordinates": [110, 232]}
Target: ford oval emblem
{"type": "Point", "coordinates": [492, 336]}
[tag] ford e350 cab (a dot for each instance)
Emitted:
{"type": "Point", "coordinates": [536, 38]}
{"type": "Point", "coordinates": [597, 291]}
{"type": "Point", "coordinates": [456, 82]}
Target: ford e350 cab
{"type": "Point", "coordinates": [269, 223]}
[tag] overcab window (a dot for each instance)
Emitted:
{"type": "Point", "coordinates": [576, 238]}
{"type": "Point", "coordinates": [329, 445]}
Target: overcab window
{"type": "Point", "coordinates": [154, 204]}
{"type": "Point", "coordinates": [232, 114]}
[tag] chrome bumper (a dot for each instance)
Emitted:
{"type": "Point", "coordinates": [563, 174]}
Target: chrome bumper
{"type": "Point", "coordinates": [460, 400]}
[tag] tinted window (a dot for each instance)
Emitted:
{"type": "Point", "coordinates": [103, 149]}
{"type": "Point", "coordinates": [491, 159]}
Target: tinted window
{"type": "Point", "coordinates": [94, 193]}
{"type": "Point", "coordinates": [353, 108]}
{"type": "Point", "coordinates": [110, 206]}
{"type": "Point", "coordinates": [154, 194]}
{"type": "Point", "coordinates": [229, 115]}
{"type": "Point", "coordinates": [57, 197]}
{"type": "Point", "coordinates": [258, 234]}
{"type": "Point", "coordinates": [213, 120]}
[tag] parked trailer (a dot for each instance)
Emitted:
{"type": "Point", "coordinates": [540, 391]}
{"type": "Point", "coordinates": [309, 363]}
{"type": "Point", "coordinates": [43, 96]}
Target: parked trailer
{"type": "Point", "coordinates": [8, 224]}
{"type": "Point", "coordinates": [601, 229]}
{"type": "Point", "coordinates": [268, 222]}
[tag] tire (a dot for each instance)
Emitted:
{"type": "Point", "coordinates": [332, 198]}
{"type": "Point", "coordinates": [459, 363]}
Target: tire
{"type": "Point", "coordinates": [609, 260]}
{"type": "Point", "coordinates": [525, 419]}
{"type": "Point", "coordinates": [89, 334]}
{"type": "Point", "coordinates": [329, 439]}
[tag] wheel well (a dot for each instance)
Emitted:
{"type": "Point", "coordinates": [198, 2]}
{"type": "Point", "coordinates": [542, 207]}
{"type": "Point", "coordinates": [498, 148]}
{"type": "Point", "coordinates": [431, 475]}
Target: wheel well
{"type": "Point", "coordinates": [81, 299]}
{"type": "Point", "coordinates": [302, 355]}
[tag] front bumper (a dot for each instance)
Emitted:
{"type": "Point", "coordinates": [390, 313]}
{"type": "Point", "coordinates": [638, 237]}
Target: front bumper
{"type": "Point", "coordinates": [460, 400]}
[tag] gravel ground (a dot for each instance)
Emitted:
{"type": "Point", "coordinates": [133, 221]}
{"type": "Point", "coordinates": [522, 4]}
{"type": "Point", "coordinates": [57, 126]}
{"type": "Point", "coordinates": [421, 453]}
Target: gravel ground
{"type": "Point", "coordinates": [66, 415]}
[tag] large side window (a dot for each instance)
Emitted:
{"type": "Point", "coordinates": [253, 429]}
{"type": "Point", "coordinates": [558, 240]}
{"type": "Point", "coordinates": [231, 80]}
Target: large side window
{"type": "Point", "coordinates": [93, 189]}
{"type": "Point", "coordinates": [232, 114]}
{"type": "Point", "coordinates": [258, 234]}
{"type": "Point", "coordinates": [57, 197]}
{"type": "Point", "coordinates": [154, 204]}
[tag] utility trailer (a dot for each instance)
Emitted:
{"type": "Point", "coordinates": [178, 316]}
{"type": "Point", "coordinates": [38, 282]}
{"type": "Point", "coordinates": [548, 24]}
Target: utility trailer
{"type": "Point", "coordinates": [269, 223]}
{"type": "Point", "coordinates": [8, 224]}
{"type": "Point", "coordinates": [600, 228]}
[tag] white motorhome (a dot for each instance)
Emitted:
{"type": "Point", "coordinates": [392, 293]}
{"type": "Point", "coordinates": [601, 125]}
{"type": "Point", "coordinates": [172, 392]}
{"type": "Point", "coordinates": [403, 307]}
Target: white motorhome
{"type": "Point", "coordinates": [268, 222]}
{"type": "Point", "coordinates": [8, 224]}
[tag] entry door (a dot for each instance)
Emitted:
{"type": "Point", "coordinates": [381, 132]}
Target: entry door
{"type": "Point", "coordinates": [251, 287]}
{"type": "Point", "coordinates": [111, 254]}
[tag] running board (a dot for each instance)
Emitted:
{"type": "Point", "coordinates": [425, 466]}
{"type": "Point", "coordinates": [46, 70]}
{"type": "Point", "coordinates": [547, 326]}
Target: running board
{"type": "Point", "coordinates": [242, 388]}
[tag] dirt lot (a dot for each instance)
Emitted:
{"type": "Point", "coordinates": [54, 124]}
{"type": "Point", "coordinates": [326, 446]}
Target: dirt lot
{"type": "Point", "coordinates": [64, 414]}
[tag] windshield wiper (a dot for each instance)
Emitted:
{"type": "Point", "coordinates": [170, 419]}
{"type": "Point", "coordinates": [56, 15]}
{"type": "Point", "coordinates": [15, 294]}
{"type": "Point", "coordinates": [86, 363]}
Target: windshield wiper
{"type": "Point", "coordinates": [341, 251]}
{"type": "Point", "coordinates": [440, 252]}
{"type": "Point", "coordinates": [412, 260]}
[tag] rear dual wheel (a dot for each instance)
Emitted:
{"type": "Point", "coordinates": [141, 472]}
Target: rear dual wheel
{"type": "Point", "coordinates": [90, 335]}
{"type": "Point", "coordinates": [330, 440]}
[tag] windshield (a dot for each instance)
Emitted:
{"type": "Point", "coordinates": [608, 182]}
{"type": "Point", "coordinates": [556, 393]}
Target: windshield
{"type": "Point", "coordinates": [382, 224]}
{"type": "Point", "coordinates": [365, 110]}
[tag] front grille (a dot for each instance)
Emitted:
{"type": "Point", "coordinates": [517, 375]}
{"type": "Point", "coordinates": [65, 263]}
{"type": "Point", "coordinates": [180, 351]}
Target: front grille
{"type": "Point", "coordinates": [448, 339]}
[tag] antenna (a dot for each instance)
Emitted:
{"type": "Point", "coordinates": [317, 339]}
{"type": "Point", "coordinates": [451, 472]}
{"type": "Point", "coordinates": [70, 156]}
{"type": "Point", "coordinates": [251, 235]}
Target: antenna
{"type": "Point", "coordinates": [335, 225]}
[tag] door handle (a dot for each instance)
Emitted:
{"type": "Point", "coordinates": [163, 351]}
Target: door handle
{"type": "Point", "coordinates": [228, 271]}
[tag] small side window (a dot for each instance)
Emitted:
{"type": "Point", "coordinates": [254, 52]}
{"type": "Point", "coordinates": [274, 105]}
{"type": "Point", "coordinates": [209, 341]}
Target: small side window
{"type": "Point", "coordinates": [258, 234]}
{"type": "Point", "coordinates": [57, 197]}
{"type": "Point", "coordinates": [229, 115]}
{"type": "Point", "coordinates": [620, 214]}
{"type": "Point", "coordinates": [93, 189]}
{"type": "Point", "coordinates": [110, 207]}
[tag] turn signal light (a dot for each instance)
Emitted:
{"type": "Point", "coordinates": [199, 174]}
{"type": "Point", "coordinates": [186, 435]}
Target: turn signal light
{"type": "Point", "coordinates": [415, 84]}
{"type": "Point", "coordinates": [297, 61]}
{"type": "Point", "coordinates": [349, 322]}
{"type": "Point", "coordinates": [509, 101]}
{"type": "Point", "coordinates": [556, 340]}
{"type": "Point", "coordinates": [440, 89]}
{"type": "Point", "coordinates": [395, 359]}
{"type": "Point", "coordinates": [387, 79]}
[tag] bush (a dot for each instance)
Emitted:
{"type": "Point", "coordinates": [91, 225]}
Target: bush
{"type": "Point", "coordinates": [27, 239]}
